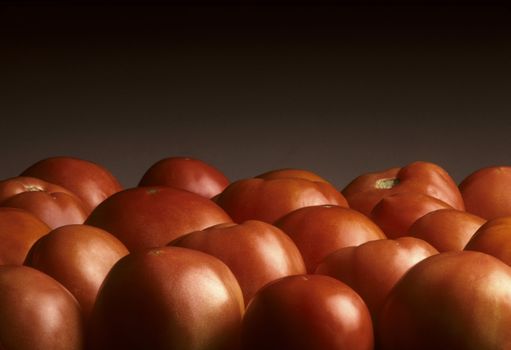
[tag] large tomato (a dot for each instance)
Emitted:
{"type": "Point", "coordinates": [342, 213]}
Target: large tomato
{"type": "Point", "coordinates": [373, 268]}
{"type": "Point", "coordinates": [320, 230]}
{"type": "Point", "coordinates": [446, 229]}
{"type": "Point", "coordinates": [19, 184]}
{"type": "Point", "coordinates": [88, 180]}
{"type": "Point", "coordinates": [269, 199]}
{"type": "Point", "coordinates": [452, 300]}
{"type": "Point", "coordinates": [494, 238]}
{"type": "Point", "coordinates": [79, 257]}
{"type": "Point", "coordinates": [146, 217]}
{"type": "Point", "coordinates": [186, 173]}
{"type": "Point", "coordinates": [168, 298]}
{"type": "Point", "coordinates": [255, 251]}
{"type": "Point", "coordinates": [365, 191]}
{"type": "Point", "coordinates": [307, 312]}
{"type": "Point", "coordinates": [37, 312]}
{"type": "Point", "coordinates": [487, 192]}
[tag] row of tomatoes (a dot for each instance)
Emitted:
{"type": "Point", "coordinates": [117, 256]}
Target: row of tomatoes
{"type": "Point", "coordinates": [399, 259]}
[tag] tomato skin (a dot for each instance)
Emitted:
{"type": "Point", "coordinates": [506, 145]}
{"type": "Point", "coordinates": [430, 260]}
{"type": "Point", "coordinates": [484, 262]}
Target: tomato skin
{"type": "Point", "coordinates": [396, 213]}
{"type": "Point", "coordinates": [494, 238]}
{"type": "Point", "coordinates": [79, 257]}
{"type": "Point", "coordinates": [186, 173]}
{"type": "Point", "coordinates": [145, 217]}
{"type": "Point", "coordinates": [37, 312]}
{"type": "Point", "coordinates": [292, 173]}
{"type": "Point", "coordinates": [255, 251]}
{"type": "Point", "coordinates": [452, 300]}
{"type": "Point", "coordinates": [486, 192]}
{"type": "Point", "coordinates": [446, 229]}
{"type": "Point", "coordinates": [20, 184]}
{"type": "Point", "coordinates": [168, 298]}
{"type": "Point", "coordinates": [91, 182]}
{"type": "Point", "coordinates": [268, 200]}
{"type": "Point", "coordinates": [373, 268]}
{"type": "Point", "coordinates": [305, 312]}
{"type": "Point", "coordinates": [365, 191]}
{"type": "Point", "coordinates": [320, 230]}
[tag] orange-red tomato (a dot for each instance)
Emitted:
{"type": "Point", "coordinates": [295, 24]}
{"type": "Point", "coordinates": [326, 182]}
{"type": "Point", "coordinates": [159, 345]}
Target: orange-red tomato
{"type": "Point", "coordinates": [19, 184]}
{"type": "Point", "coordinates": [365, 191]}
{"type": "Point", "coordinates": [292, 173]}
{"type": "Point", "coordinates": [494, 238]}
{"type": "Point", "coordinates": [320, 230]}
{"type": "Point", "coordinates": [446, 229]}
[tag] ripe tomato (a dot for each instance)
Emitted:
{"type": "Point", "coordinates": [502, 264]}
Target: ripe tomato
{"type": "Point", "coordinates": [320, 230]}
{"type": "Point", "coordinates": [494, 238]}
{"type": "Point", "coordinates": [291, 173]}
{"type": "Point", "coordinates": [186, 173]}
{"type": "Point", "coordinates": [255, 251]}
{"type": "Point", "coordinates": [365, 191]}
{"type": "Point", "coordinates": [19, 184]}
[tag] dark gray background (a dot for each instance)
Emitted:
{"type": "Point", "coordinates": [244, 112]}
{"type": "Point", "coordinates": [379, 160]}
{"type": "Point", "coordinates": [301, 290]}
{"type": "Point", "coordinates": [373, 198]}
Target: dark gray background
{"type": "Point", "coordinates": [336, 89]}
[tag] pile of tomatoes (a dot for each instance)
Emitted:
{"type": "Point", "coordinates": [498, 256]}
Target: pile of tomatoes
{"type": "Point", "coordinates": [403, 258]}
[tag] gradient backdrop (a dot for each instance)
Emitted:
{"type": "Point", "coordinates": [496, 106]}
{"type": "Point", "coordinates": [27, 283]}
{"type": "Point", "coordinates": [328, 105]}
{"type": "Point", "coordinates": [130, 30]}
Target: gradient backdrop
{"type": "Point", "coordinates": [253, 86]}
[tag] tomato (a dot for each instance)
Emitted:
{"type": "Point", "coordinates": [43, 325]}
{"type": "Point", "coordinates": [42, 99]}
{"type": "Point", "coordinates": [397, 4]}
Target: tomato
{"type": "Point", "coordinates": [366, 190]}
{"type": "Point", "coordinates": [446, 229]}
{"type": "Point", "coordinates": [91, 182]}
{"type": "Point", "coordinates": [269, 199]}
{"type": "Point", "coordinates": [146, 217]}
{"type": "Point", "coordinates": [168, 298]}
{"type": "Point", "coordinates": [486, 192]}
{"type": "Point", "coordinates": [292, 173]}
{"type": "Point", "coordinates": [452, 300]}
{"type": "Point", "coordinates": [19, 229]}
{"type": "Point", "coordinates": [79, 257]}
{"type": "Point", "coordinates": [494, 238]}
{"type": "Point", "coordinates": [303, 312]}
{"type": "Point", "coordinates": [37, 312]}
{"type": "Point", "coordinates": [255, 251]}
{"type": "Point", "coordinates": [396, 213]}
{"type": "Point", "coordinates": [186, 173]}
{"type": "Point", "coordinates": [373, 268]}
{"type": "Point", "coordinates": [20, 184]}
{"type": "Point", "coordinates": [320, 230]}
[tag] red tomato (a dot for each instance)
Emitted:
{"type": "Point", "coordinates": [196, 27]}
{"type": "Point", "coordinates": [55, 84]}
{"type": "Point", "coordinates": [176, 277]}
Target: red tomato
{"type": "Point", "coordinates": [146, 217]}
{"type": "Point", "coordinates": [37, 312]}
{"type": "Point", "coordinates": [186, 173]}
{"type": "Point", "coordinates": [268, 200]}
{"type": "Point", "coordinates": [306, 312]}
{"type": "Point", "coordinates": [19, 229]}
{"type": "Point", "coordinates": [365, 191]}
{"type": "Point", "coordinates": [79, 257]}
{"type": "Point", "coordinates": [487, 192]}
{"type": "Point", "coordinates": [320, 230]}
{"type": "Point", "coordinates": [292, 173]}
{"type": "Point", "coordinates": [88, 180]}
{"type": "Point", "coordinates": [255, 251]}
{"type": "Point", "coordinates": [20, 184]}
{"type": "Point", "coordinates": [396, 213]}
{"type": "Point", "coordinates": [493, 238]}
{"type": "Point", "coordinates": [446, 229]}
{"type": "Point", "coordinates": [373, 268]}
{"type": "Point", "coordinates": [452, 300]}
{"type": "Point", "coordinates": [168, 298]}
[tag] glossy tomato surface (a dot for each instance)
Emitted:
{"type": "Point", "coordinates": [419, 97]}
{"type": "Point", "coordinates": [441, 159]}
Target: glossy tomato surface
{"type": "Point", "coordinates": [307, 312]}
{"type": "Point", "coordinates": [255, 251]}
{"type": "Point", "coordinates": [19, 184]}
{"type": "Point", "coordinates": [493, 238]}
{"type": "Point", "coordinates": [168, 298]}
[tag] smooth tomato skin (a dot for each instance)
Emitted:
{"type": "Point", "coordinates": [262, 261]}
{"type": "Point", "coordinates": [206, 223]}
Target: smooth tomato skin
{"type": "Point", "coordinates": [365, 191]}
{"type": "Point", "coordinates": [451, 300]}
{"type": "Point", "coordinates": [90, 181]}
{"type": "Point", "coordinates": [446, 229]}
{"type": "Point", "coordinates": [19, 230]}
{"type": "Point", "coordinates": [37, 312]}
{"type": "Point", "coordinates": [486, 192]}
{"type": "Point", "coordinates": [79, 257]}
{"type": "Point", "coordinates": [292, 173]}
{"type": "Point", "coordinates": [493, 238]}
{"type": "Point", "coordinates": [186, 173]}
{"type": "Point", "coordinates": [146, 217]}
{"type": "Point", "coordinates": [305, 312]}
{"type": "Point", "coordinates": [373, 268]}
{"type": "Point", "coordinates": [20, 184]}
{"type": "Point", "coordinates": [168, 298]}
{"type": "Point", "coordinates": [320, 230]}
{"type": "Point", "coordinates": [268, 200]}
{"type": "Point", "coordinates": [54, 208]}
{"type": "Point", "coordinates": [396, 213]}
{"type": "Point", "coordinates": [255, 251]}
